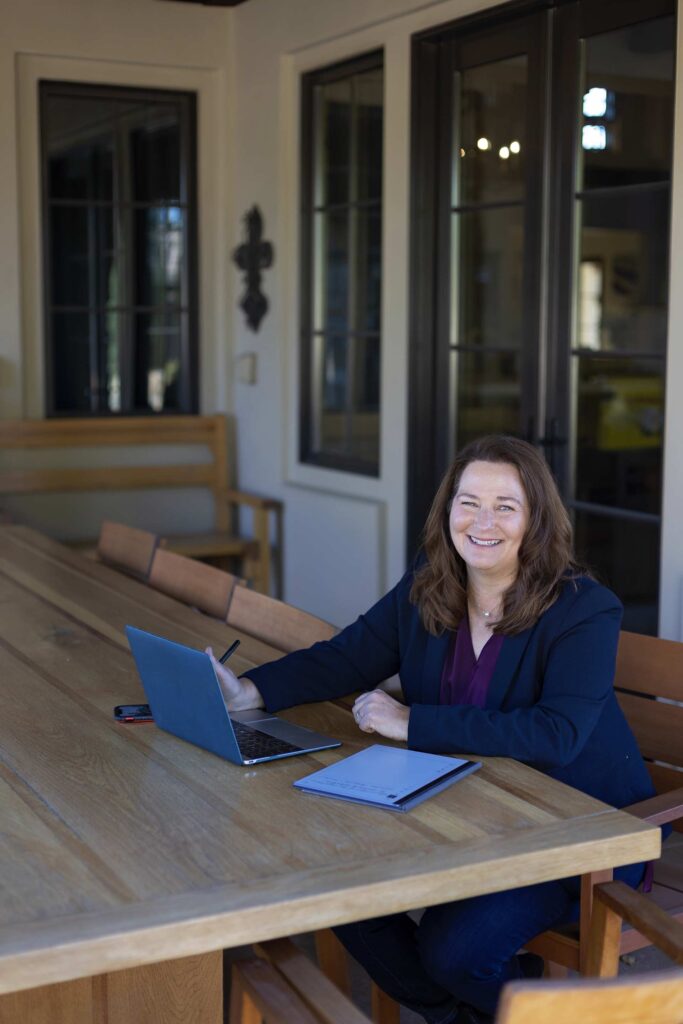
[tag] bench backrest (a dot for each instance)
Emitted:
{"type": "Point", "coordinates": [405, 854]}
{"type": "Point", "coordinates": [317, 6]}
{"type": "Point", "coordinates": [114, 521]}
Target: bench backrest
{"type": "Point", "coordinates": [209, 432]}
{"type": "Point", "coordinates": [648, 667]}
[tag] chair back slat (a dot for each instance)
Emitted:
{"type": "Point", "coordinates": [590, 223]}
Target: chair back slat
{"type": "Point", "coordinates": [647, 664]}
{"type": "Point", "coordinates": [194, 583]}
{"type": "Point", "coordinates": [657, 726]}
{"type": "Point", "coordinates": [665, 779]}
{"type": "Point", "coordinates": [655, 998]}
{"type": "Point", "coordinates": [278, 624]}
{"type": "Point", "coordinates": [127, 548]}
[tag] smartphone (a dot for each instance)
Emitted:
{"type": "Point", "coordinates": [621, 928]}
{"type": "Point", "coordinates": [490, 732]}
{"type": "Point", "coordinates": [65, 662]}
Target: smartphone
{"type": "Point", "coordinates": [133, 713]}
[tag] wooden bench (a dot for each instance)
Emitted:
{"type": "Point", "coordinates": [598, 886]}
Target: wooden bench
{"type": "Point", "coordinates": [204, 432]}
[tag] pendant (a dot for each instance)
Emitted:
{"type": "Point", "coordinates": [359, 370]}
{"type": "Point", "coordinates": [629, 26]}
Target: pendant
{"type": "Point", "coordinates": [487, 615]}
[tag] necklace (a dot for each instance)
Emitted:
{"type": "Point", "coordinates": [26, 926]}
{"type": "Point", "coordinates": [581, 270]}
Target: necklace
{"type": "Point", "coordinates": [484, 614]}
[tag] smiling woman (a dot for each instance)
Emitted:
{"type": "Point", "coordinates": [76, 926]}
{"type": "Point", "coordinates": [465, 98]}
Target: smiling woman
{"type": "Point", "coordinates": [504, 647]}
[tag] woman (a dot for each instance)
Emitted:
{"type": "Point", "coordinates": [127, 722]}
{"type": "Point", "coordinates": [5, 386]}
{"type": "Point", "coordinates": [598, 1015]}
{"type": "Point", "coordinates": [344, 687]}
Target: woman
{"type": "Point", "coordinates": [503, 647]}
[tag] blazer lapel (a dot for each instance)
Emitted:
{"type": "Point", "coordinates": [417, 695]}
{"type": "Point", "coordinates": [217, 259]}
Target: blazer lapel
{"type": "Point", "coordinates": [432, 667]}
{"type": "Point", "coordinates": [511, 651]}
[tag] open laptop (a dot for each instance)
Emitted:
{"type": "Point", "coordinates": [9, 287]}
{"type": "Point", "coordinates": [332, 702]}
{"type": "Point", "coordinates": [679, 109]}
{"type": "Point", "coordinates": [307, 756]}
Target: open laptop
{"type": "Point", "coordinates": [186, 699]}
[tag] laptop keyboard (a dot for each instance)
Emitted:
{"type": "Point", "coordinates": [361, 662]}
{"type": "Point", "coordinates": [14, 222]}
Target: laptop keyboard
{"type": "Point", "coordinates": [253, 743]}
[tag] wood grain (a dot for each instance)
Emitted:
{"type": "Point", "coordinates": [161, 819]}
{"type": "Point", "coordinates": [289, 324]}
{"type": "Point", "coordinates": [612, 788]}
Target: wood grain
{"type": "Point", "coordinates": [655, 998]}
{"type": "Point", "coordinates": [187, 991]}
{"type": "Point", "coordinates": [126, 847]}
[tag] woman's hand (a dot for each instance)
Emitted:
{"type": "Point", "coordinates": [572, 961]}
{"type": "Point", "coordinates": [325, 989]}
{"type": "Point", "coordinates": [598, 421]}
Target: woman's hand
{"type": "Point", "coordinates": [376, 711]}
{"type": "Point", "coordinates": [239, 694]}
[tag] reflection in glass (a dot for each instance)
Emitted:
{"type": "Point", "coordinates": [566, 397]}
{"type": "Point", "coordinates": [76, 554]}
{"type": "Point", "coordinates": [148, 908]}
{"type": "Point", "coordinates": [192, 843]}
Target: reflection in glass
{"type": "Point", "coordinates": [368, 92]}
{"type": "Point", "coordinates": [490, 137]}
{"type": "Point", "coordinates": [626, 235]}
{"type": "Point", "coordinates": [333, 413]}
{"type": "Point", "coordinates": [332, 163]}
{"type": "Point", "coordinates": [333, 268]}
{"type": "Point", "coordinates": [72, 358]}
{"type": "Point", "coordinates": [489, 399]}
{"type": "Point", "coordinates": [84, 257]}
{"type": "Point", "coordinates": [157, 360]}
{"type": "Point", "coordinates": [627, 87]}
{"type": "Point", "coordinates": [112, 333]}
{"type": "Point", "coordinates": [160, 250]}
{"type": "Point", "coordinates": [70, 256]}
{"type": "Point", "coordinates": [368, 227]}
{"type": "Point", "coordinates": [155, 150]}
{"type": "Point", "coordinates": [79, 145]}
{"type": "Point", "coordinates": [624, 554]}
{"type": "Point", "coordinates": [487, 260]}
{"type": "Point", "coordinates": [620, 424]}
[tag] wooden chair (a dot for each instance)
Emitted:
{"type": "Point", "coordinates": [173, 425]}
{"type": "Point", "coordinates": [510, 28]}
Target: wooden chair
{"type": "Point", "coordinates": [649, 684]}
{"type": "Point", "coordinates": [282, 986]}
{"type": "Point", "coordinates": [614, 904]}
{"type": "Point", "coordinates": [655, 998]}
{"type": "Point", "coordinates": [127, 548]}
{"type": "Point", "coordinates": [278, 624]}
{"type": "Point", "coordinates": [195, 583]}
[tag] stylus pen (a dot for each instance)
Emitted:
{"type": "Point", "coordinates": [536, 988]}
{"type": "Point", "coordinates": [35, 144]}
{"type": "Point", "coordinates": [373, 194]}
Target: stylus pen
{"type": "Point", "coordinates": [233, 647]}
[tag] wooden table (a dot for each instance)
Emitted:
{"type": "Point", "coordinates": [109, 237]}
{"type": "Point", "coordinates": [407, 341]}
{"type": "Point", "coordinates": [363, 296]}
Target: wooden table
{"type": "Point", "coordinates": [129, 859]}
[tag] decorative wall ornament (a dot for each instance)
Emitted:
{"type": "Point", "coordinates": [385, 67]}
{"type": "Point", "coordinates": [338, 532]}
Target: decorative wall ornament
{"type": "Point", "coordinates": [253, 256]}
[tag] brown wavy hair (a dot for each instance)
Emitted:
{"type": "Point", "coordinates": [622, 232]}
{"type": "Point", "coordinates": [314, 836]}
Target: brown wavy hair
{"type": "Point", "coordinates": [546, 559]}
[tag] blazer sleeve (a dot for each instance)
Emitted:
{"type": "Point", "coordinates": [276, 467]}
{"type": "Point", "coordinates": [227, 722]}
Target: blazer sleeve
{"type": "Point", "coordinates": [576, 682]}
{"type": "Point", "coordinates": [358, 658]}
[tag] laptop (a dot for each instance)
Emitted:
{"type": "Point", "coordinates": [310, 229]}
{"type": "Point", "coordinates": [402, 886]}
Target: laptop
{"type": "Point", "coordinates": [186, 699]}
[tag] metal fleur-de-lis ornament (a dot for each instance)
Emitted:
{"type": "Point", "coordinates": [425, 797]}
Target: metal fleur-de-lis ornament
{"type": "Point", "coordinates": [253, 256]}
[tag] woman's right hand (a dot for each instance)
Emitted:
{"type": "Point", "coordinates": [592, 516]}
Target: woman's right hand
{"type": "Point", "coordinates": [239, 694]}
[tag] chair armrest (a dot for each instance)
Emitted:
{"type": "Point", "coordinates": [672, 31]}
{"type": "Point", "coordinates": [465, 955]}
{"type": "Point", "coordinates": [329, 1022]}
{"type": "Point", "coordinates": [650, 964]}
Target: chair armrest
{"type": "Point", "coordinates": [659, 810]}
{"type": "Point", "coordinates": [644, 915]}
{"type": "Point", "coordinates": [253, 500]}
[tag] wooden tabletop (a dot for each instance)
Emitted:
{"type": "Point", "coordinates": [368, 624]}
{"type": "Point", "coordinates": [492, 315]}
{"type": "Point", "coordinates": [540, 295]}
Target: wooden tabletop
{"type": "Point", "coordinates": [122, 845]}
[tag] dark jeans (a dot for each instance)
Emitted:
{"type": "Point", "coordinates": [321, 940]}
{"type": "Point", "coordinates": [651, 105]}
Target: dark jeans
{"type": "Point", "coordinates": [462, 952]}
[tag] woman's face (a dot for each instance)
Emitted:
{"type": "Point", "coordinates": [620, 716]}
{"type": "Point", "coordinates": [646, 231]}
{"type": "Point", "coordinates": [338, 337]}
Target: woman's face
{"type": "Point", "coordinates": [489, 517]}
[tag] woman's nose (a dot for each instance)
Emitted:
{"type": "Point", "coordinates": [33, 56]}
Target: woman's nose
{"type": "Point", "coordinates": [485, 518]}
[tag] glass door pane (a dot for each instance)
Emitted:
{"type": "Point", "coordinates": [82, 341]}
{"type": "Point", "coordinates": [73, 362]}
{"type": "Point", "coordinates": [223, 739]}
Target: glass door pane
{"type": "Point", "coordinates": [620, 306]}
{"type": "Point", "coordinates": [489, 174]}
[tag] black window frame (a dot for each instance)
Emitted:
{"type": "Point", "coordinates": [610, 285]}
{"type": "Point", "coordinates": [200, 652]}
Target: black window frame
{"type": "Point", "coordinates": [189, 370]}
{"type": "Point", "coordinates": [308, 454]}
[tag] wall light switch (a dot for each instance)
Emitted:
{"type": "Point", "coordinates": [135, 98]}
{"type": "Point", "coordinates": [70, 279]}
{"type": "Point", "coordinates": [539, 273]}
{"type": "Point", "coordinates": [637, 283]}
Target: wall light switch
{"type": "Point", "coordinates": [246, 368]}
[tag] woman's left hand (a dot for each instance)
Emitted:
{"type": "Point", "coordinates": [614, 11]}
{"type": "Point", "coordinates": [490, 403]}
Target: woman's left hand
{"type": "Point", "coordinates": [376, 711]}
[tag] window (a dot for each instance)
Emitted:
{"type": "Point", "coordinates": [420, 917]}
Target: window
{"type": "Point", "coordinates": [342, 265]}
{"type": "Point", "coordinates": [119, 233]}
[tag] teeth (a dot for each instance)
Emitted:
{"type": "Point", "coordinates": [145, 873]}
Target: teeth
{"type": "Point", "coordinates": [483, 543]}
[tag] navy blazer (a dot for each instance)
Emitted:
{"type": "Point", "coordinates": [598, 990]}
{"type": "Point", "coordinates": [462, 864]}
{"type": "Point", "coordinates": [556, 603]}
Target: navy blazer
{"type": "Point", "coordinates": [550, 702]}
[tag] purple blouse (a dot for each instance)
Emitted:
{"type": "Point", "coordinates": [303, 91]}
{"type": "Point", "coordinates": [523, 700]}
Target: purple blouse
{"type": "Point", "coordinates": [466, 679]}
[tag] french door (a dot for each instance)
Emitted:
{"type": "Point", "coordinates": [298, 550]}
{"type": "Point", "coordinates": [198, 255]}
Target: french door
{"type": "Point", "coordinates": [542, 169]}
